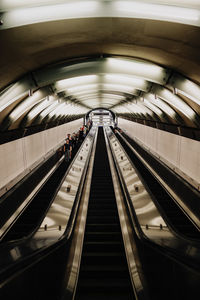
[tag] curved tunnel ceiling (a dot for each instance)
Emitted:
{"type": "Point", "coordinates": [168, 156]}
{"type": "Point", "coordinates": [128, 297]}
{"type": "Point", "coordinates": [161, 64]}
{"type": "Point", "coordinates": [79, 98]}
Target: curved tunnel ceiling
{"type": "Point", "coordinates": [60, 59]}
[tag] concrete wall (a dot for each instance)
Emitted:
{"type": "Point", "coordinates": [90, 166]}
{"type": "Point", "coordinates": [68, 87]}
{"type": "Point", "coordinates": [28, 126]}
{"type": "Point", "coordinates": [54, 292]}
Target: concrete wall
{"type": "Point", "coordinates": [179, 153]}
{"type": "Point", "coordinates": [20, 156]}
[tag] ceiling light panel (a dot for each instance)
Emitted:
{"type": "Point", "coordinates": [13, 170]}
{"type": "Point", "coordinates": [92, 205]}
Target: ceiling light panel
{"type": "Point", "coordinates": [145, 10]}
{"type": "Point", "coordinates": [29, 12]}
{"type": "Point", "coordinates": [76, 81]}
{"type": "Point", "coordinates": [47, 110]}
{"type": "Point", "coordinates": [161, 104]}
{"type": "Point", "coordinates": [141, 108]}
{"type": "Point", "coordinates": [104, 95]}
{"type": "Point", "coordinates": [138, 68]}
{"type": "Point", "coordinates": [14, 92]}
{"type": "Point", "coordinates": [26, 104]}
{"type": "Point", "coordinates": [38, 108]}
{"type": "Point", "coordinates": [155, 109]}
{"type": "Point", "coordinates": [97, 87]}
{"type": "Point", "coordinates": [136, 83]}
{"type": "Point", "coordinates": [45, 13]}
{"type": "Point", "coordinates": [186, 88]}
{"type": "Point", "coordinates": [57, 111]}
{"type": "Point", "coordinates": [103, 66]}
{"type": "Point", "coordinates": [175, 101]}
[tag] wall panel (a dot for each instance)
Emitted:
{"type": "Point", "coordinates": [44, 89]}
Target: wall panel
{"type": "Point", "coordinates": [179, 153]}
{"type": "Point", "coordinates": [34, 148]}
{"type": "Point", "coordinates": [20, 156]}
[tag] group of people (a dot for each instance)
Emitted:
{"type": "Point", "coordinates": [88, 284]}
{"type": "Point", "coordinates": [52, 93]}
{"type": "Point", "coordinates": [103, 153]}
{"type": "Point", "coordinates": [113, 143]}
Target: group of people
{"type": "Point", "coordinates": [72, 141]}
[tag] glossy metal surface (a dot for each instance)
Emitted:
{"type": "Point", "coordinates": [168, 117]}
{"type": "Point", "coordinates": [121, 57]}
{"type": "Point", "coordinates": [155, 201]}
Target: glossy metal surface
{"type": "Point", "coordinates": [147, 212]}
{"type": "Point", "coordinates": [20, 209]}
{"type": "Point", "coordinates": [57, 217]}
{"type": "Point", "coordinates": [133, 260]}
{"type": "Point", "coordinates": [151, 222]}
{"type": "Point", "coordinates": [79, 231]}
{"type": "Point", "coordinates": [194, 217]}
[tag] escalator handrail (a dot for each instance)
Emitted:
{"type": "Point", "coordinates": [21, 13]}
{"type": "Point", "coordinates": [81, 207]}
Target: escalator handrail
{"type": "Point", "coordinates": [176, 178]}
{"type": "Point", "coordinates": [39, 253]}
{"type": "Point", "coordinates": [137, 228]}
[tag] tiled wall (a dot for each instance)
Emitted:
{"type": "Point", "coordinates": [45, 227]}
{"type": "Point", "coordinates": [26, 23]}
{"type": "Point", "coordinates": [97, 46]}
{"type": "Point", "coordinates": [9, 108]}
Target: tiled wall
{"type": "Point", "coordinates": [180, 153]}
{"type": "Point", "coordinates": [18, 157]}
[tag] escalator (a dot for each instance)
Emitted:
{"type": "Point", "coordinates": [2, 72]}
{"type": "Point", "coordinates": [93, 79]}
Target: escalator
{"type": "Point", "coordinates": [104, 271]}
{"type": "Point", "coordinates": [174, 215]}
{"type": "Point", "coordinates": [30, 219]}
{"type": "Point", "coordinates": [34, 213]}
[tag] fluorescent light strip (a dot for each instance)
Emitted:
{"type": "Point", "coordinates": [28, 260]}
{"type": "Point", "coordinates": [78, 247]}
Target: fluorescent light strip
{"type": "Point", "coordinates": [70, 10]}
{"type": "Point", "coordinates": [157, 12]}
{"type": "Point", "coordinates": [91, 9]}
{"type": "Point", "coordinates": [13, 4]}
{"type": "Point", "coordinates": [161, 104]}
{"type": "Point", "coordinates": [57, 111]}
{"type": "Point", "coordinates": [36, 110]}
{"type": "Point", "coordinates": [111, 87]}
{"type": "Point", "coordinates": [76, 81]}
{"type": "Point", "coordinates": [176, 102]}
{"type": "Point", "coordinates": [187, 88]}
{"type": "Point", "coordinates": [103, 95]}
{"type": "Point", "coordinates": [197, 101]}
{"type": "Point", "coordinates": [153, 107]}
{"type": "Point", "coordinates": [26, 104]}
{"type": "Point", "coordinates": [138, 68]}
{"type": "Point", "coordinates": [47, 110]}
{"type": "Point", "coordinates": [111, 101]}
{"type": "Point", "coordinates": [15, 92]}
{"type": "Point", "coordinates": [136, 83]}
{"type": "Point", "coordinates": [145, 109]}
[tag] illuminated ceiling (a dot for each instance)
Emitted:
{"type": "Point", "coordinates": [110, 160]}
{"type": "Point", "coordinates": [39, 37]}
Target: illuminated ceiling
{"type": "Point", "coordinates": [60, 59]}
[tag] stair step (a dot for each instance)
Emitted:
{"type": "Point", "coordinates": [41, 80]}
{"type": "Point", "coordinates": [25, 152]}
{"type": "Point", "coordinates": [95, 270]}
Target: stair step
{"type": "Point", "coordinates": [101, 295]}
{"type": "Point", "coordinates": [103, 246]}
{"type": "Point", "coordinates": [102, 219]}
{"type": "Point", "coordinates": [99, 274]}
{"type": "Point", "coordinates": [102, 205]}
{"type": "Point", "coordinates": [103, 236]}
{"type": "Point", "coordinates": [104, 271]}
{"type": "Point", "coordinates": [104, 283]}
{"type": "Point", "coordinates": [102, 258]}
{"type": "Point", "coordinates": [104, 268]}
{"type": "Point", "coordinates": [112, 227]}
{"type": "Point", "coordinates": [102, 212]}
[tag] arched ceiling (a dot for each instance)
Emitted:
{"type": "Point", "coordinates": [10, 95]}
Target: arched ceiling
{"type": "Point", "coordinates": [60, 59]}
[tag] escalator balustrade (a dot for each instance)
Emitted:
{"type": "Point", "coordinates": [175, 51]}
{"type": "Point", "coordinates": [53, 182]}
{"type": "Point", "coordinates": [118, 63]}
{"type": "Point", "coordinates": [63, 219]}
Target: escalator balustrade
{"type": "Point", "coordinates": [104, 271]}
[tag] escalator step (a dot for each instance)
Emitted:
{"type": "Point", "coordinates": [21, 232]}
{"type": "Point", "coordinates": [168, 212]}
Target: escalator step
{"type": "Point", "coordinates": [111, 295]}
{"type": "Point", "coordinates": [111, 227]}
{"type": "Point", "coordinates": [102, 220]}
{"type": "Point", "coordinates": [104, 268]}
{"type": "Point", "coordinates": [103, 258]}
{"type": "Point", "coordinates": [102, 205]}
{"type": "Point", "coordinates": [102, 236]}
{"type": "Point", "coordinates": [98, 284]}
{"type": "Point", "coordinates": [102, 212]}
{"type": "Point", "coordinates": [108, 246]}
{"type": "Point", "coordinates": [104, 272]}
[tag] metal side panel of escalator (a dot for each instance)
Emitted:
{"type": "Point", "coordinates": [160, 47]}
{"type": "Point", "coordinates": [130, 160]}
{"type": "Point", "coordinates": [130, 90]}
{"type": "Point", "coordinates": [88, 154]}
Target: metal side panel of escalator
{"type": "Point", "coordinates": [104, 271]}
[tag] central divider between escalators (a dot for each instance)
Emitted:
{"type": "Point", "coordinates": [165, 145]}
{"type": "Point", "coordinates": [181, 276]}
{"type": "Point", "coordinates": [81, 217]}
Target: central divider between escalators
{"type": "Point", "coordinates": [104, 271]}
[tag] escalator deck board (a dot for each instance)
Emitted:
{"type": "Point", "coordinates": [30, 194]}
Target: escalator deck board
{"type": "Point", "coordinates": [103, 266]}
